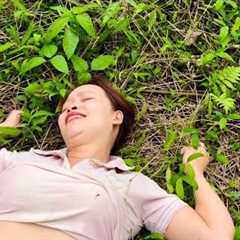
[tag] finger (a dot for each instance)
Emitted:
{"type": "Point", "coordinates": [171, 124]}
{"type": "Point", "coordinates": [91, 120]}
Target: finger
{"type": "Point", "coordinates": [184, 160]}
{"type": "Point", "coordinates": [203, 145]}
{"type": "Point", "coordinates": [13, 118]}
{"type": "Point", "coordinates": [16, 111]}
{"type": "Point", "coordinates": [183, 150]}
{"type": "Point", "coordinates": [14, 114]}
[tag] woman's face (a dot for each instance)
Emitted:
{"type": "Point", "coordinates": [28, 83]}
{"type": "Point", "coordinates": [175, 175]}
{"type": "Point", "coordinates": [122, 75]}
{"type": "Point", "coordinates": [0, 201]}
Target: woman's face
{"type": "Point", "coordinates": [98, 118]}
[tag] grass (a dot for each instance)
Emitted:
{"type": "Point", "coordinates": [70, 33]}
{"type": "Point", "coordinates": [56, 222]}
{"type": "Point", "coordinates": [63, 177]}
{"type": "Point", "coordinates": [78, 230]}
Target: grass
{"type": "Point", "coordinates": [177, 61]}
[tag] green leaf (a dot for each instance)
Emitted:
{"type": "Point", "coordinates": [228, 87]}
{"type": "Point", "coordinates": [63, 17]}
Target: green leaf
{"type": "Point", "coordinates": [219, 5]}
{"type": "Point", "coordinates": [55, 28]}
{"type": "Point", "coordinates": [40, 117]}
{"type": "Point", "coordinates": [119, 25]}
{"type": "Point", "coordinates": [39, 120]}
{"type": "Point", "coordinates": [206, 58]}
{"type": "Point", "coordinates": [234, 116]}
{"type": "Point", "coordinates": [190, 130]}
{"type": "Point", "coordinates": [70, 42]}
{"type": "Point", "coordinates": [84, 8]}
{"type": "Point", "coordinates": [79, 64]}
{"type": "Point", "coordinates": [9, 132]}
{"type": "Point", "coordinates": [152, 19]}
{"type": "Point", "coordinates": [220, 80]}
{"type": "Point", "coordinates": [102, 62]}
{"type": "Point", "coordinates": [60, 63]}
{"type": "Point", "coordinates": [170, 188]}
{"type": "Point", "coordinates": [226, 102]}
{"type": "Point", "coordinates": [130, 162]}
{"type": "Point", "coordinates": [224, 55]}
{"type": "Point", "coordinates": [195, 140]}
{"type": "Point", "coordinates": [49, 50]}
{"type": "Point", "coordinates": [41, 113]}
{"type": "Point", "coordinates": [19, 5]}
{"type": "Point", "coordinates": [189, 171]}
{"type": "Point", "coordinates": [32, 88]}
{"type": "Point", "coordinates": [78, 10]}
{"type": "Point", "coordinates": [132, 37]}
{"type": "Point", "coordinates": [171, 137]}
{"type": "Point", "coordinates": [179, 188]}
{"type": "Point", "coordinates": [83, 77]}
{"type": "Point", "coordinates": [28, 33]}
{"type": "Point", "coordinates": [168, 174]}
{"type": "Point", "coordinates": [194, 156]}
{"type": "Point", "coordinates": [168, 177]}
{"type": "Point", "coordinates": [236, 26]}
{"type": "Point", "coordinates": [237, 233]}
{"type": "Point", "coordinates": [85, 21]}
{"type": "Point", "coordinates": [168, 180]}
{"type": "Point", "coordinates": [62, 10]}
{"type": "Point", "coordinates": [220, 157]}
{"type": "Point", "coordinates": [223, 123]}
{"type": "Point", "coordinates": [190, 181]}
{"type": "Point", "coordinates": [223, 32]}
{"type": "Point", "coordinates": [112, 10]}
{"type": "Point", "coordinates": [29, 64]}
{"type": "Point", "coordinates": [223, 37]}
{"type": "Point", "coordinates": [140, 8]}
{"type": "Point", "coordinates": [5, 46]}
{"type": "Point", "coordinates": [233, 4]}
{"type": "Point", "coordinates": [154, 236]}
{"type": "Point", "coordinates": [37, 38]}
{"type": "Point", "coordinates": [62, 92]}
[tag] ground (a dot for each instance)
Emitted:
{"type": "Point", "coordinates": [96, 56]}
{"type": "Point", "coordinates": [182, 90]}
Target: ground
{"type": "Point", "coordinates": [176, 61]}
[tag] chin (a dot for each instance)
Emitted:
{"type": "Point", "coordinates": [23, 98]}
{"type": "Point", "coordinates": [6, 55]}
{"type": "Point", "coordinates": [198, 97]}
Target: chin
{"type": "Point", "coordinates": [74, 133]}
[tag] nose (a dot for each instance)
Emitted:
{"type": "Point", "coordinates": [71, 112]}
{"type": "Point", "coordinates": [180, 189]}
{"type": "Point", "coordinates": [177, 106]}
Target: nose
{"type": "Point", "coordinates": [71, 108]}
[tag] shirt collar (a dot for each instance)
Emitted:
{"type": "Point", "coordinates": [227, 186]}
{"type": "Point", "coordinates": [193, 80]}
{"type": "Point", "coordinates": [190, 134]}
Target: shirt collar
{"type": "Point", "coordinates": [114, 161]}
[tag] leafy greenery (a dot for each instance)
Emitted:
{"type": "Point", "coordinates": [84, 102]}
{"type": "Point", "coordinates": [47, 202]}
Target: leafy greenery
{"type": "Point", "coordinates": [177, 61]}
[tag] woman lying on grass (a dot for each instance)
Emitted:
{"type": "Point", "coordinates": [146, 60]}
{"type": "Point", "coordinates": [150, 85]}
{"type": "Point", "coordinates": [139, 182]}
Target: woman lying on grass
{"type": "Point", "coordinates": [85, 192]}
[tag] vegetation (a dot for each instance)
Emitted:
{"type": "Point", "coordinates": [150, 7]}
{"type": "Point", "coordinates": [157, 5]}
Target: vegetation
{"type": "Point", "coordinates": [177, 61]}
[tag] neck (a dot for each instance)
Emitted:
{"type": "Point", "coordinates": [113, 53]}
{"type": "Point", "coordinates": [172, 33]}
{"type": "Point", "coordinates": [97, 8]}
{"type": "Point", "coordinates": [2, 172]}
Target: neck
{"type": "Point", "coordinates": [81, 152]}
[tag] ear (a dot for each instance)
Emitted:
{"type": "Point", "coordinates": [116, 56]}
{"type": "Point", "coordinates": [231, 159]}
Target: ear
{"type": "Point", "coordinates": [118, 117]}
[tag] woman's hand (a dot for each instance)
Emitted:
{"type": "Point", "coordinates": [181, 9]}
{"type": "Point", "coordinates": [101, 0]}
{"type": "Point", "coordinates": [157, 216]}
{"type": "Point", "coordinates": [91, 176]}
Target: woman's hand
{"type": "Point", "coordinates": [13, 119]}
{"type": "Point", "coordinates": [199, 164]}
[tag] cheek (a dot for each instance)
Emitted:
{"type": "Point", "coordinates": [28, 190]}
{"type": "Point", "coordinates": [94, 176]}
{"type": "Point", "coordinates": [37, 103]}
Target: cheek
{"type": "Point", "coordinates": [91, 106]}
{"type": "Point", "coordinates": [104, 115]}
{"type": "Point", "coordinates": [60, 121]}
{"type": "Point", "coordinates": [99, 109]}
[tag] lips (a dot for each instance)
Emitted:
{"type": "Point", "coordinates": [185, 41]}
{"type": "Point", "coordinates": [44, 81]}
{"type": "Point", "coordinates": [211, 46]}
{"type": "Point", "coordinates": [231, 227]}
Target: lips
{"type": "Point", "coordinates": [73, 115]}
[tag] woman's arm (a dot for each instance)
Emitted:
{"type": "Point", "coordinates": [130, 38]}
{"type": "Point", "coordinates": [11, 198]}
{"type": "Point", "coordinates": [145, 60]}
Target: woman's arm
{"type": "Point", "coordinates": [210, 220]}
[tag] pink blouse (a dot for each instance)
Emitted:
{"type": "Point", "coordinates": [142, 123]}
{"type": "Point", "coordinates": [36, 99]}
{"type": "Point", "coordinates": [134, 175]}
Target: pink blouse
{"type": "Point", "coordinates": [91, 200]}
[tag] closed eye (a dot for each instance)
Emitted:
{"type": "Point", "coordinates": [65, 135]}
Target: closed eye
{"type": "Point", "coordinates": [86, 99]}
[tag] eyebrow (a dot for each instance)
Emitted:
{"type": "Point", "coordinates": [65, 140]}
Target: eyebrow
{"type": "Point", "coordinates": [84, 92]}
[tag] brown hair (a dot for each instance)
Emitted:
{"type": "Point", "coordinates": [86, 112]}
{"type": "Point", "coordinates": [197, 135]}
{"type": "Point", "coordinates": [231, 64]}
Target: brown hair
{"type": "Point", "coordinates": [118, 102]}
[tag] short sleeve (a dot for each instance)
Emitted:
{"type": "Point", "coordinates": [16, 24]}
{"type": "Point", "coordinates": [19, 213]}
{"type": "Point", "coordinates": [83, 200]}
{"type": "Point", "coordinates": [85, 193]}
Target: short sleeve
{"type": "Point", "coordinates": [156, 206]}
{"type": "Point", "coordinates": [4, 159]}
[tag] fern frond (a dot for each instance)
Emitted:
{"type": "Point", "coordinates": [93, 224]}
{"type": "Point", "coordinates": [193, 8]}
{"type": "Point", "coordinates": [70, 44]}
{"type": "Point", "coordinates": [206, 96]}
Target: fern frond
{"type": "Point", "coordinates": [225, 79]}
{"type": "Point", "coordinates": [227, 103]}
